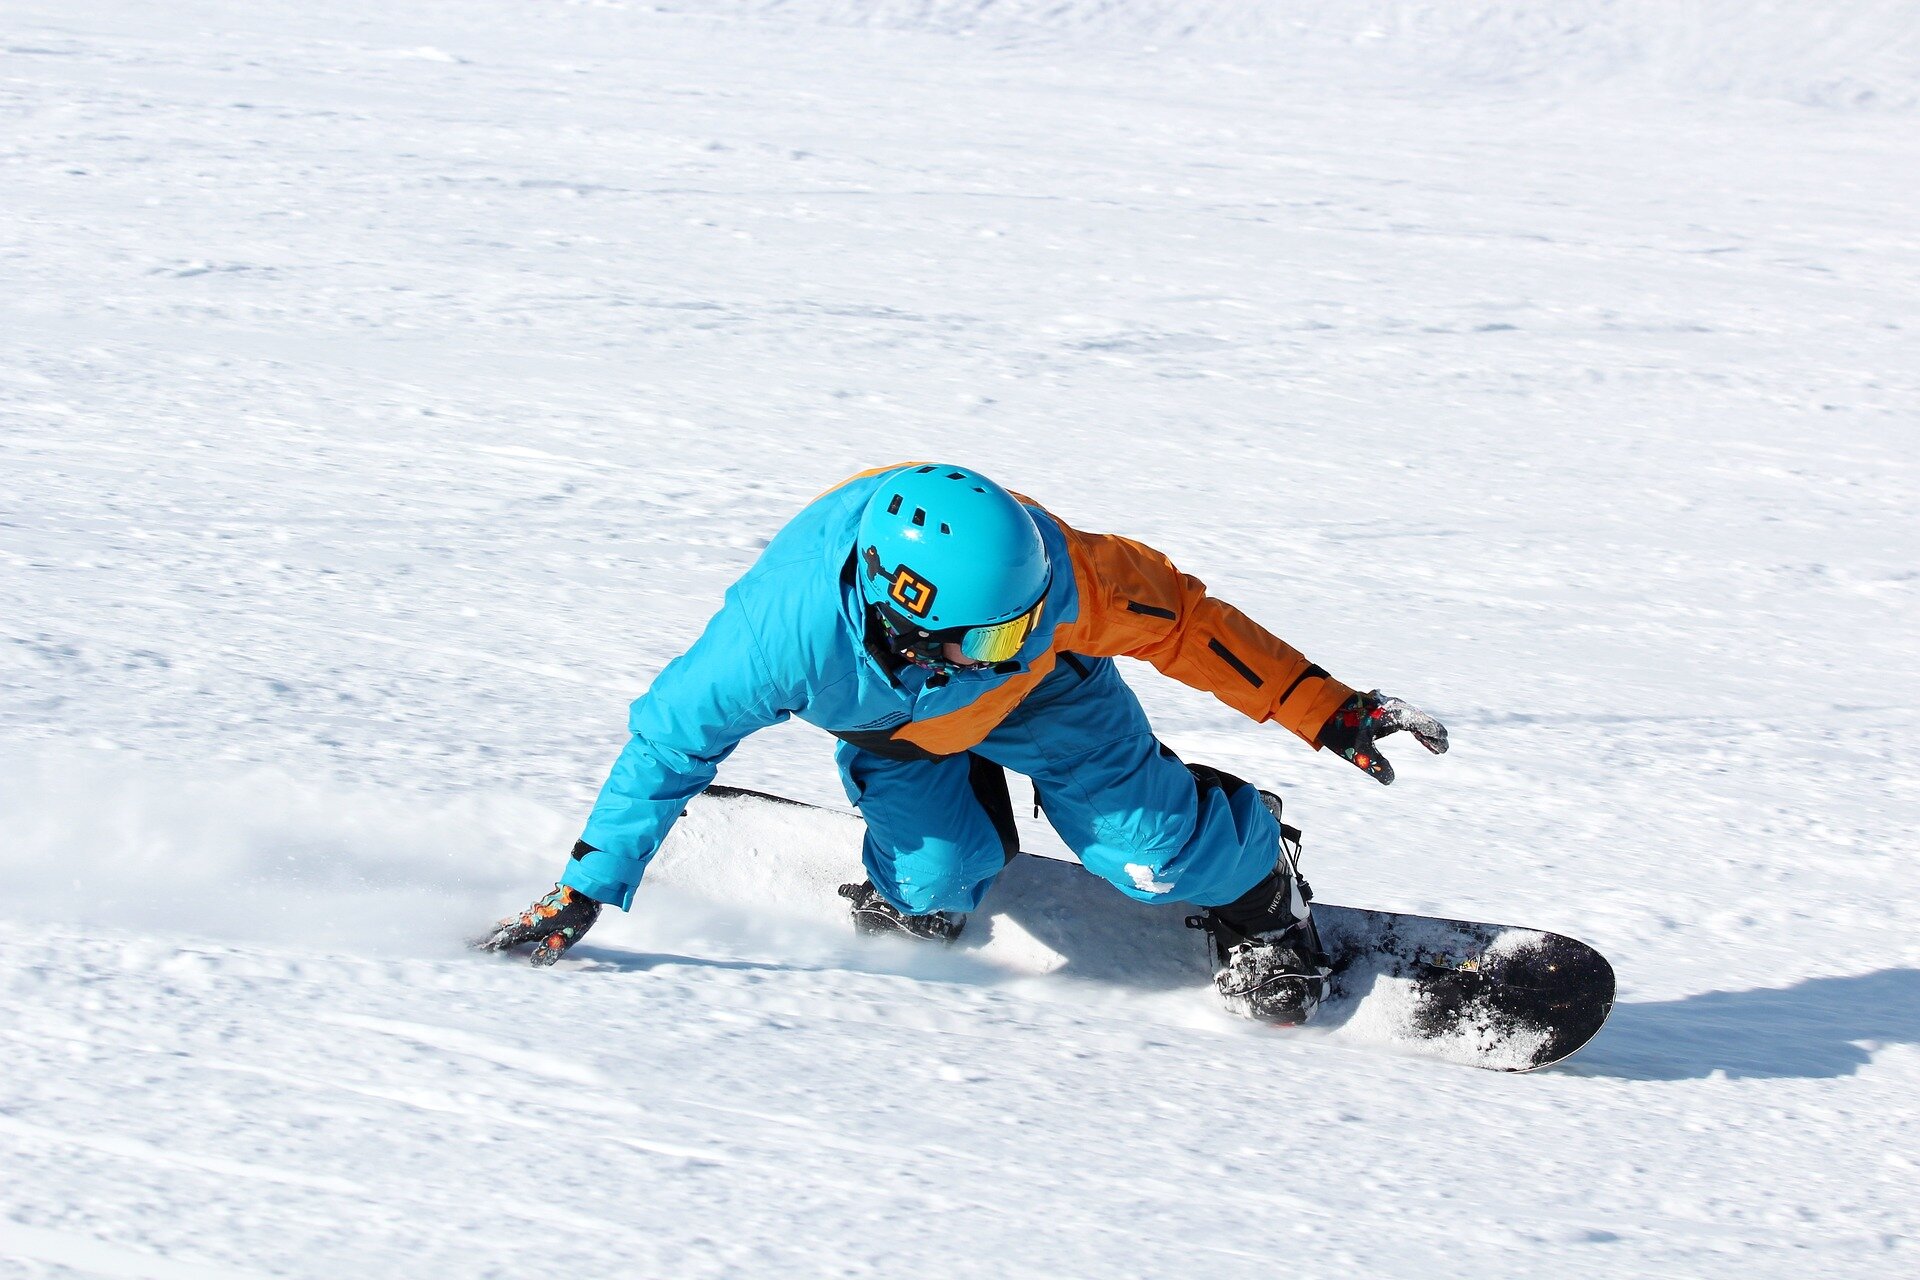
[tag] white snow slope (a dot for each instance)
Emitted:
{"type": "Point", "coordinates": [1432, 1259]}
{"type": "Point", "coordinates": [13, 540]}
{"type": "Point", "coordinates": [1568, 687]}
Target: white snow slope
{"type": "Point", "coordinates": [387, 391]}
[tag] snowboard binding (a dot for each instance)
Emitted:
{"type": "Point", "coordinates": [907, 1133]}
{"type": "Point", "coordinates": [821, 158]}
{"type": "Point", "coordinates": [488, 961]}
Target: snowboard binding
{"type": "Point", "coordinates": [1276, 977]}
{"type": "Point", "coordinates": [874, 916]}
{"type": "Point", "coordinates": [1268, 963]}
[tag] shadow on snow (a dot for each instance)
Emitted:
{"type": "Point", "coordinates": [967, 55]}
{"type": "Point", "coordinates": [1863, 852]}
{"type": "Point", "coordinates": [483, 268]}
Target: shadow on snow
{"type": "Point", "coordinates": [1817, 1028]}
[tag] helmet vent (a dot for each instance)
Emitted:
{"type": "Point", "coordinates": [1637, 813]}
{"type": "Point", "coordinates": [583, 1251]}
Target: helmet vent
{"type": "Point", "coordinates": [920, 517]}
{"type": "Point", "coordinates": [893, 508]}
{"type": "Point", "coordinates": [946, 531]}
{"type": "Point", "coordinates": [956, 475]}
{"type": "Point", "coordinates": [978, 489]}
{"type": "Point", "coordinates": [924, 470]}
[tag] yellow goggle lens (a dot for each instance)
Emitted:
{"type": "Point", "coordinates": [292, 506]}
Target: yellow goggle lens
{"type": "Point", "coordinates": [1002, 640]}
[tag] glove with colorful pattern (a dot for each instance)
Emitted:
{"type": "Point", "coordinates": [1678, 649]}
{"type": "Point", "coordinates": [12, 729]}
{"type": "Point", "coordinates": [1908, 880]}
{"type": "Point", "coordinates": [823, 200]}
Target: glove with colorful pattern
{"type": "Point", "coordinates": [552, 924]}
{"type": "Point", "coordinates": [1366, 717]}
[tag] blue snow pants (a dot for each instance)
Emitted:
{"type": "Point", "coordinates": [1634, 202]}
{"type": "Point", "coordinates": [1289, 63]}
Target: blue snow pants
{"type": "Point", "coordinates": [1134, 814]}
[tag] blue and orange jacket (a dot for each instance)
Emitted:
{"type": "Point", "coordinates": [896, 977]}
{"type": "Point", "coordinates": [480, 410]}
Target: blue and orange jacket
{"type": "Point", "coordinates": [792, 639]}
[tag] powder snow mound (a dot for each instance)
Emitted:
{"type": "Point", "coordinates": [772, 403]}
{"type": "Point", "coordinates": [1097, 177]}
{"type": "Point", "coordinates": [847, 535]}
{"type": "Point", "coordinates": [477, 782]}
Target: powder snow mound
{"type": "Point", "coordinates": [247, 856]}
{"type": "Point", "coordinates": [254, 855]}
{"type": "Point", "coordinates": [1832, 53]}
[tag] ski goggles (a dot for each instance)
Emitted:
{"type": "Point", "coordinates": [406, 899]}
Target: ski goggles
{"type": "Point", "coordinates": [990, 644]}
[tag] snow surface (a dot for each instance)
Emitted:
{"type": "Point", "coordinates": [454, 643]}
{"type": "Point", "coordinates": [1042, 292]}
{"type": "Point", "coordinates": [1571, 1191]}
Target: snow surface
{"type": "Point", "coordinates": [386, 392]}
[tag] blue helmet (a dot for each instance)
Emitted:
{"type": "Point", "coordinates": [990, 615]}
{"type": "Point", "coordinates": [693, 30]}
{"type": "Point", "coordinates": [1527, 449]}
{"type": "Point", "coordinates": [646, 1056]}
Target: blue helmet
{"type": "Point", "coordinates": [946, 556]}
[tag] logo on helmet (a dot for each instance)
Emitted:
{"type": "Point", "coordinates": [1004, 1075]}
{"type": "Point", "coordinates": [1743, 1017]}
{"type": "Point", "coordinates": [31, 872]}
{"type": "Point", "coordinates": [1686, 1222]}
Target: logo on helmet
{"type": "Point", "coordinates": [911, 592]}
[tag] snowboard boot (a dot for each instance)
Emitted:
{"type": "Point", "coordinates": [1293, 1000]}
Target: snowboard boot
{"type": "Point", "coordinates": [874, 915]}
{"type": "Point", "coordinates": [1268, 963]}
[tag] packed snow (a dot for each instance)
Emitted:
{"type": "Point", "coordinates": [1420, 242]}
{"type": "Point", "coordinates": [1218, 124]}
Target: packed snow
{"type": "Point", "coordinates": [388, 391]}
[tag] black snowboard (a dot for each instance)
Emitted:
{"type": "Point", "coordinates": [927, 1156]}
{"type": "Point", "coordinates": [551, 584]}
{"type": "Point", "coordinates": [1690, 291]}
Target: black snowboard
{"type": "Point", "coordinates": [1491, 995]}
{"type": "Point", "coordinates": [1485, 995]}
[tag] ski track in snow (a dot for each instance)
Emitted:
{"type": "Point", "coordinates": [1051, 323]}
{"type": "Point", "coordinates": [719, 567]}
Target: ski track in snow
{"type": "Point", "coordinates": [387, 391]}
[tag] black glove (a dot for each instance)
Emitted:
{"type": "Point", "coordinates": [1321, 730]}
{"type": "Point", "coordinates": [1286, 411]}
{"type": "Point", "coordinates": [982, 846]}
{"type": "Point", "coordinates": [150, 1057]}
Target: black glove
{"type": "Point", "coordinates": [1365, 717]}
{"type": "Point", "coordinates": [553, 924]}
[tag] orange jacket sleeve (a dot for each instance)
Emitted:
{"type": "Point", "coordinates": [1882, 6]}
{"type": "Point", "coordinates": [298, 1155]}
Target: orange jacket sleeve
{"type": "Point", "coordinates": [1134, 603]}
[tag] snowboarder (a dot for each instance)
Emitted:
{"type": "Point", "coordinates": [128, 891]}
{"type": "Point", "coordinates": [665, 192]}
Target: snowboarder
{"type": "Point", "coordinates": [946, 630]}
